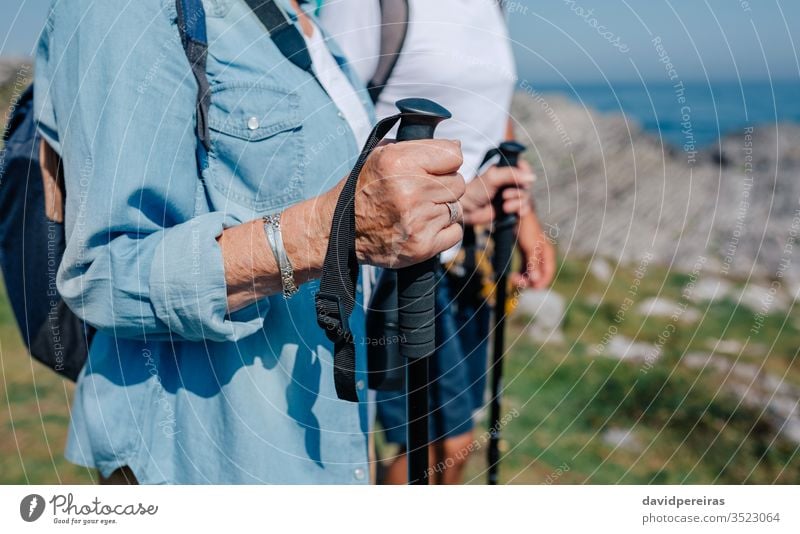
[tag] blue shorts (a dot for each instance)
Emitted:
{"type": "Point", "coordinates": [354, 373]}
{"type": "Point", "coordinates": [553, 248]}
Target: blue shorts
{"type": "Point", "coordinates": [458, 369]}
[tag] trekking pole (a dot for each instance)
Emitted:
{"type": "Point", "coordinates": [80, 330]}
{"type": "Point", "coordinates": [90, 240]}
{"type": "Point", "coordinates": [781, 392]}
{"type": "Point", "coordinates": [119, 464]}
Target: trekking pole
{"type": "Point", "coordinates": [416, 306]}
{"type": "Point", "coordinates": [503, 238]}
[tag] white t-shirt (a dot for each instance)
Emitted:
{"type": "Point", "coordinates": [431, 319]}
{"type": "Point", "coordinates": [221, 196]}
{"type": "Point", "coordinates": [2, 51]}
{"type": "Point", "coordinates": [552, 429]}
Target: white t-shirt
{"type": "Point", "coordinates": [344, 96]}
{"type": "Point", "coordinates": [338, 86]}
{"type": "Point", "coordinates": [456, 52]}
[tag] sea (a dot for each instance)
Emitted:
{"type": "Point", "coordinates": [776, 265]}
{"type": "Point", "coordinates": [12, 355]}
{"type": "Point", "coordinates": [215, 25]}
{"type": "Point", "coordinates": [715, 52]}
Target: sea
{"type": "Point", "coordinates": [691, 112]}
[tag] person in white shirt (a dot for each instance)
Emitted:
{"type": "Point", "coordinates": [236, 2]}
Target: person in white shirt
{"type": "Point", "coordinates": [457, 53]}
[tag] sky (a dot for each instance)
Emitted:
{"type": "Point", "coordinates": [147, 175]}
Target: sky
{"type": "Point", "coordinates": [578, 41]}
{"type": "Point", "coordinates": [599, 40]}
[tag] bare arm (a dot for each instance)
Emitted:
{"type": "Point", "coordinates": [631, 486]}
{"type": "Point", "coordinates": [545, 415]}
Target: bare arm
{"type": "Point", "coordinates": [251, 272]}
{"type": "Point", "coordinates": [510, 130]}
{"type": "Point", "coordinates": [401, 218]}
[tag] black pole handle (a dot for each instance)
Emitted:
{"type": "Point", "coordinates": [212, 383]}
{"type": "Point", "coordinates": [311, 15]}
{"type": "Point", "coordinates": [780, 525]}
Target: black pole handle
{"type": "Point", "coordinates": [416, 305]}
{"type": "Point", "coordinates": [418, 120]}
{"type": "Point", "coordinates": [503, 238]}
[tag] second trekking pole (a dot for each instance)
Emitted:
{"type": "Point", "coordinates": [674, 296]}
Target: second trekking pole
{"type": "Point", "coordinates": [503, 239]}
{"type": "Point", "coordinates": [416, 310]}
{"type": "Point", "coordinates": [416, 306]}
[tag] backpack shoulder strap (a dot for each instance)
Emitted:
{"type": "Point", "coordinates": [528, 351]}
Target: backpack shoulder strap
{"type": "Point", "coordinates": [22, 108]}
{"type": "Point", "coordinates": [192, 28]}
{"type": "Point", "coordinates": [282, 31]}
{"type": "Point", "coordinates": [394, 27]}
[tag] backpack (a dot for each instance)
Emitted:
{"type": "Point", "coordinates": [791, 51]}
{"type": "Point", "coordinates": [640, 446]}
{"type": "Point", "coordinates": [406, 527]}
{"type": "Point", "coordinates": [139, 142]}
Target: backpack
{"type": "Point", "coordinates": [32, 243]}
{"type": "Point", "coordinates": [394, 28]}
{"type": "Point", "coordinates": [31, 246]}
{"type": "Point", "coordinates": [32, 238]}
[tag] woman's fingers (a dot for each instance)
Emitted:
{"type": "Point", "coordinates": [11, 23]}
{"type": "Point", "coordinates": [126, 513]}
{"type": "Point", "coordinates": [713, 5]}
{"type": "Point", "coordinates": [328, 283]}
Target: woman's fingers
{"type": "Point", "coordinates": [512, 193]}
{"type": "Point", "coordinates": [435, 156]}
{"type": "Point", "coordinates": [500, 177]}
{"type": "Point", "coordinates": [448, 237]}
{"type": "Point", "coordinates": [480, 216]}
{"type": "Point", "coordinates": [520, 206]}
{"type": "Point", "coordinates": [402, 203]}
{"type": "Point", "coordinates": [525, 167]}
{"type": "Point", "coordinates": [443, 188]}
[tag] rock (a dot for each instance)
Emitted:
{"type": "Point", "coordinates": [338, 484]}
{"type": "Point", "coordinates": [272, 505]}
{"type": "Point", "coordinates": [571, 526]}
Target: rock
{"type": "Point", "coordinates": [792, 286]}
{"type": "Point", "coordinates": [618, 192]}
{"type": "Point", "coordinates": [546, 309]}
{"type": "Point", "coordinates": [623, 348]}
{"type": "Point", "coordinates": [709, 289]}
{"type": "Point", "coordinates": [748, 372]}
{"type": "Point", "coordinates": [657, 307]}
{"type": "Point", "coordinates": [764, 300]}
{"type": "Point", "coordinates": [594, 299]}
{"type": "Point", "coordinates": [780, 386]}
{"type": "Point", "coordinates": [777, 399]}
{"type": "Point", "coordinates": [785, 407]}
{"type": "Point", "coordinates": [791, 430]}
{"type": "Point", "coordinates": [696, 360]}
{"type": "Point", "coordinates": [690, 315]}
{"type": "Point", "coordinates": [622, 438]}
{"type": "Point", "coordinates": [663, 307]}
{"type": "Point", "coordinates": [702, 360]}
{"type": "Point", "coordinates": [730, 346]}
{"type": "Point", "coordinates": [601, 269]}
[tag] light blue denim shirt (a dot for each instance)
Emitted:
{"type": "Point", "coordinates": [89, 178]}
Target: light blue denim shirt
{"type": "Point", "coordinates": [175, 387]}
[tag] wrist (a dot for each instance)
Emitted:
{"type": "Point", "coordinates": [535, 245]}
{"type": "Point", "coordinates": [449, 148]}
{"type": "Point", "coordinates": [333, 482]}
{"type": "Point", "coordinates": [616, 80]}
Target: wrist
{"type": "Point", "coordinates": [273, 230]}
{"type": "Point", "coordinates": [307, 228]}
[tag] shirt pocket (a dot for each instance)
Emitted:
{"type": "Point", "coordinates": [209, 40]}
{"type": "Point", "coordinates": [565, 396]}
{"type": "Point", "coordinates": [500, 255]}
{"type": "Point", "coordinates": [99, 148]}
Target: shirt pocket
{"type": "Point", "coordinates": [256, 144]}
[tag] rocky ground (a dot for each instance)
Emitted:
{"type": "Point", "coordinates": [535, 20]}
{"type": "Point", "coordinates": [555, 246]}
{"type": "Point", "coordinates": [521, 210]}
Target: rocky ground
{"type": "Point", "coordinates": [613, 190]}
{"type": "Point", "coordinates": [627, 208]}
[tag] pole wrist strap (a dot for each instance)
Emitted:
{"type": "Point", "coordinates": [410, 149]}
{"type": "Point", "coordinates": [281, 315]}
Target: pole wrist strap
{"type": "Point", "coordinates": [337, 290]}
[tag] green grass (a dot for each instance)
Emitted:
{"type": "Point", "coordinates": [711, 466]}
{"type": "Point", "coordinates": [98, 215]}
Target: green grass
{"type": "Point", "coordinates": [689, 427]}
{"type": "Point", "coordinates": [34, 419]}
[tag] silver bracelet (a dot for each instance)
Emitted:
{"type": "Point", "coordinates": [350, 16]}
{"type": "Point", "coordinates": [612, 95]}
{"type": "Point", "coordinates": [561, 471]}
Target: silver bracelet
{"type": "Point", "coordinates": [272, 227]}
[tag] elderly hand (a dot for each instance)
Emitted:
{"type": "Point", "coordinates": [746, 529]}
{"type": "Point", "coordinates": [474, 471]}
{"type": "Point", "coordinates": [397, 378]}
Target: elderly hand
{"type": "Point", "coordinates": [402, 212]}
{"type": "Point", "coordinates": [477, 200]}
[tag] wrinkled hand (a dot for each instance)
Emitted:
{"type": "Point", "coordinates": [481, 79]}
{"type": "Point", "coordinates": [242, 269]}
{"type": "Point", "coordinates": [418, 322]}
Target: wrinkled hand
{"type": "Point", "coordinates": [477, 200]}
{"type": "Point", "coordinates": [402, 216]}
{"type": "Point", "coordinates": [538, 255]}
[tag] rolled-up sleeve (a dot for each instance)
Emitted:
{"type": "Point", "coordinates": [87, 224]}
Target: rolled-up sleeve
{"type": "Point", "coordinates": [142, 257]}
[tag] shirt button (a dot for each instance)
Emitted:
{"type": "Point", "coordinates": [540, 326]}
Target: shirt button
{"type": "Point", "coordinates": [360, 385]}
{"type": "Point", "coordinates": [359, 473]}
{"type": "Point", "coordinates": [252, 123]}
{"type": "Point", "coordinates": [341, 115]}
